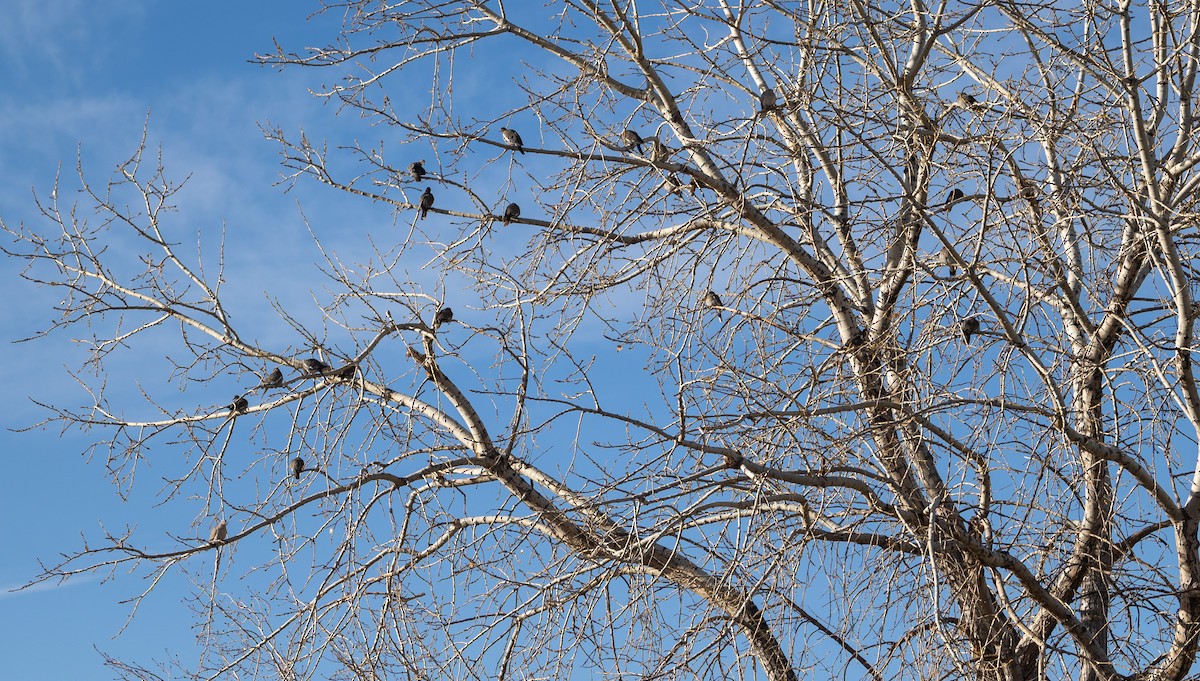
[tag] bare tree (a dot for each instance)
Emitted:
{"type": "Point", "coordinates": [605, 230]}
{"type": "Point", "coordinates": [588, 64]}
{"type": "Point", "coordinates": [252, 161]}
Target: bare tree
{"type": "Point", "coordinates": [907, 295]}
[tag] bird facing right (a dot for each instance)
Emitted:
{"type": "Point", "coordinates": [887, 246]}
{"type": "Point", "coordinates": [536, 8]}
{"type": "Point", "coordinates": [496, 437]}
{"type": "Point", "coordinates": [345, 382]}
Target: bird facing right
{"type": "Point", "coordinates": [443, 316]}
{"type": "Point", "coordinates": [297, 467]}
{"type": "Point", "coordinates": [272, 380]}
{"type": "Point", "coordinates": [512, 139]}
{"type": "Point", "coordinates": [417, 170]}
{"type": "Point", "coordinates": [630, 140]}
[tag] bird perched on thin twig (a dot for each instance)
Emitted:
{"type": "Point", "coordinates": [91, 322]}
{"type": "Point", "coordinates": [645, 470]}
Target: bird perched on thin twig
{"type": "Point", "coordinates": [658, 151]}
{"type": "Point", "coordinates": [417, 170]}
{"type": "Point", "coordinates": [712, 300]}
{"type": "Point", "coordinates": [297, 467]}
{"type": "Point", "coordinates": [312, 365]}
{"type": "Point", "coordinates": [512, 139]}
{"type": "Point", "coordinates": [218, 533]}
{"type": "Point", "coordinates": [426, 202]}
{"type": "Point", "coordinates": [630, 140]}
{"type": "Point", "coordinates": [966, 101]}
{"type": "Point", "coordinates": [955, 194]}
{"type": "Point", "coordinates": [512, 212]}
{"type": "Point", "coordinates": [272, 380]}
{"type": "Point", "coordinates": [969, 327]}
{"type": "Point", "coordinates": [443, 316]}
{"type": "Point", "coordinates": [946, 259]}
{"type": "Point", "coordinates": [239, 405]}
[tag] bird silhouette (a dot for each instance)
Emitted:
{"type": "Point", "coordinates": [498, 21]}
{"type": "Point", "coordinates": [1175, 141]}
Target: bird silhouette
{"type": "Point", "coordinates": [966, 101]}
{"type": "Point", "coordinates": [417, 170]}
{"type": "Point", "coordinates": [297, 467]}
{"type": "Point", "coordinates": [426, 202]}
{"type": "Point", "coordinates": [512, 139]}
{"type": "Point", "coordinates": [955, 194]}
{"type": "Point", "coordinates": [630, 139]}
{"type": "Point", "coordinates": [969, 327]}
{"type": "Point", "coordinates": [272, 380]}
{"type": "Point", "coordinates": [218, 533]}
{"type": "Point", "coordinates": [946, 259]}
{"type": "Point", "coordinates": [239, 405]}
{"type": "Point", "coordinates": [512, 212]}
{"type": "Point", "coordinates": [312, 365]}
{"type": "Point", "coordinates": [443, 315]}
{"type": "Point", "coordinates": [767, 100]}
{"type": "Point", "coordinates": [347, 372]}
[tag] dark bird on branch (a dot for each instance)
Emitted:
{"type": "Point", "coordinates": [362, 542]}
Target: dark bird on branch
{"type": "Point", "coordinates": [297, 467]}
{"type": "Point", "coordinates": [239, 405]}
{"type": "Point", "coordinates": [512, 139]}
{"type": "Point", "coordinates": [955, 194]}
{"type": "Point", "coordinates": [347, 372]}
{"type": "Point", "coordinates": [218, 533]}
{"type": "Point", "coordinates": [272, 380]}
{"type": "Point", "coordinates": [417, 170]}
{"type": "Point", "coordinates": [966, 101]}
{"type": "Point", "coordinates": [443, 316]}
{"type": "Point", "coordinates": [312, 365]}
{"type": "Point", "coordinates": [511, 213]}
{"type": "Point", "coordinates": [969, 327]}
{"type": "Point", "coordinates": [426, 202]}
{"type": "Point", "coordinates": [630, 139]}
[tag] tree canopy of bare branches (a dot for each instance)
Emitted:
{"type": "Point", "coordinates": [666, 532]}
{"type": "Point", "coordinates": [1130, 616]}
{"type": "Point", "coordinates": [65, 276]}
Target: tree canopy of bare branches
{"type": "Point", "coordinates": [903, 300]}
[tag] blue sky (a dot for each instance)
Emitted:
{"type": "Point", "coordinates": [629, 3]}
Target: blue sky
{"type": "Point", "coordinates": [83, 76]}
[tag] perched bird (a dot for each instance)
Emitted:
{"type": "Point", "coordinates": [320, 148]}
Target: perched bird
{"type": "Point", "coordinates": [711, 299]}
{"type": "Point", "coordinates": [767, 100]}
{"type": "Point", "coordinates": [297, 467]}
{"type": "Point", "coordinates": [631, 139]}
{"type": "Point", "coordinates": [969, 327]}
{"type": "Point", "coordinates": [218, 533]}
{"type": "Point", "coordinates": [347, 372]}
{"type": "Point", "coordinates": [426, 202]}
{"type": "Point", "coordinates": [658, 151]}
{"type": "Point", "coordinates": [955, 194]}
{"type": "Point", "coordinates": [946, 259]}
{"type": "Point", "coordinates": [512, 139]}
{"type": "Point", "coordinates": [417, 170]}
{"type": "Point", "coordinates": [313, 365]}
{"type": "Point", "coordinates": [966, 101]}
{"type": "Point", "coordinates": [239, 405]}
{"type": "Point", "coordinates": [443, 315]}
{"type": "Point", "coordinates": [511, 213]}
{"type": "Point", "coordinates": [272, 380]}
